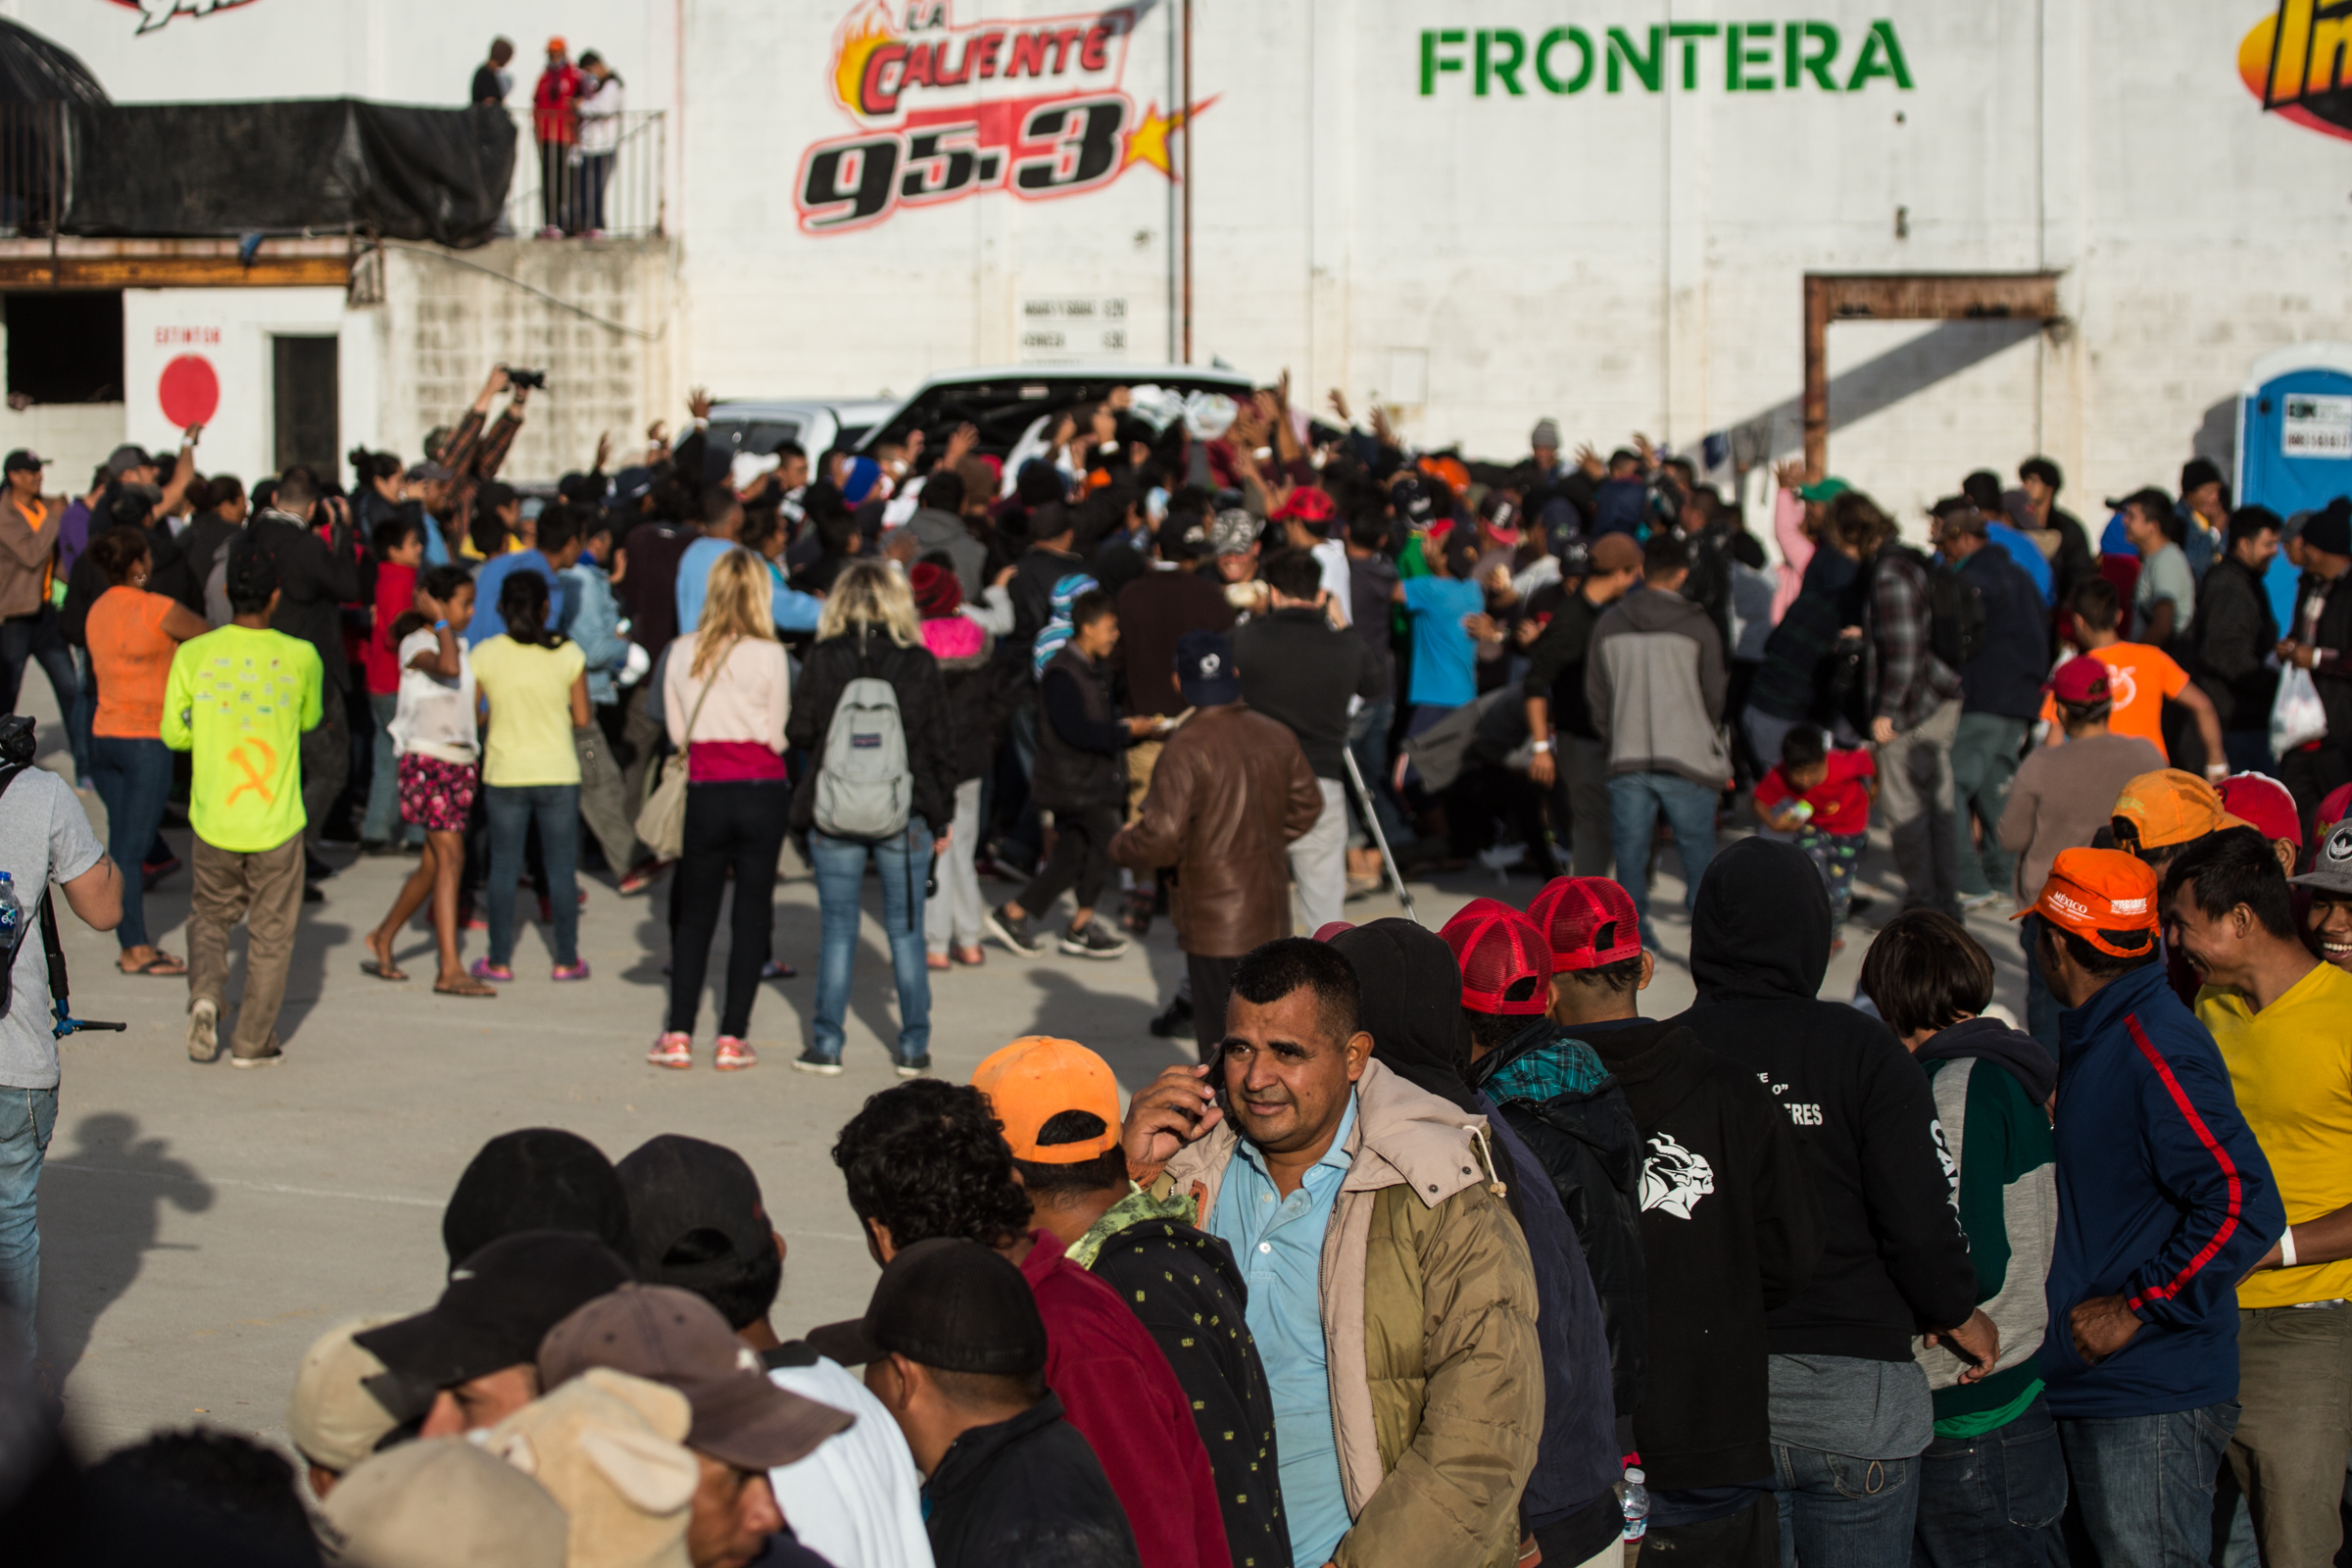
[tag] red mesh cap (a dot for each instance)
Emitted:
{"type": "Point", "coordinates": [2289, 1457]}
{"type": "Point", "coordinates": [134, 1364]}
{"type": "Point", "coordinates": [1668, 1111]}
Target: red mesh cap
{"type": "Point", "coordinates": [1588, 920]}
{"type": "Point", "coordinates": [1498, 948]}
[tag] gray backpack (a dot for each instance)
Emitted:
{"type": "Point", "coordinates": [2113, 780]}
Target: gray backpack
{"type": "Point", "coordinates": [864, 788]}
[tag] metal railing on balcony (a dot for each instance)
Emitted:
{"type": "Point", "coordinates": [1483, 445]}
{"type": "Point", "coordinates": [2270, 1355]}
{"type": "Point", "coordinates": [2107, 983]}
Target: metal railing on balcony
{"type": "Point", "coordinates": [610, 186]}
{"type": "Point", "coordinates": [32, 169]}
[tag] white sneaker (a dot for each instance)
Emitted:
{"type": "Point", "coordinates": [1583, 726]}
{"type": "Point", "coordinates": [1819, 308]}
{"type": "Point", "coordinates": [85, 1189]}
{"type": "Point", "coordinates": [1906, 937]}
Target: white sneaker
{"type": "Point", "coordinates": [204, 1030]}
{"type": "Point", "coordinates": [1977, 901]}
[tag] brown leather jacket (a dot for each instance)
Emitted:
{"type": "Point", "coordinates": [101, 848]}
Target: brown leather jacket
{"type": "Point", "coordinates": [1229, 792]}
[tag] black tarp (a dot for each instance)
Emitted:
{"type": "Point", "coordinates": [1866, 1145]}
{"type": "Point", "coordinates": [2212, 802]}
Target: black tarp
{"type": "Point", "coordinates": [33, 71]}
{"type": "Point", "coordinates": [220, 171]}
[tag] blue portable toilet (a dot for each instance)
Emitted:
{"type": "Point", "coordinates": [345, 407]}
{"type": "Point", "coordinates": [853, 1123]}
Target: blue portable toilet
{"type": "Point", "coordinates": [2294, 443]}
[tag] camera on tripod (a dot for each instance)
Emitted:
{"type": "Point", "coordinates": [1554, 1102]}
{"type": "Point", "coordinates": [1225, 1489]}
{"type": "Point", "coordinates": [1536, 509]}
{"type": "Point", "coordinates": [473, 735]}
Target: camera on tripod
{"type": "Point", "coordinates": [536, 380]}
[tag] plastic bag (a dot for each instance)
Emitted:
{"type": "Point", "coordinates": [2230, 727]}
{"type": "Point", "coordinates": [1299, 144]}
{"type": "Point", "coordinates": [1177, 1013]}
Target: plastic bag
{"type": "Point", "coordinates": [2297, 715]}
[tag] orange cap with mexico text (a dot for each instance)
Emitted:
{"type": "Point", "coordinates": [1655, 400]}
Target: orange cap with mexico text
{"type": "Point", "coordinates": [1037, 1078]}
{"type": "Point", "coordinates": [2091, 890]}
{"type": "Point", "coordinates": [2169, 807]}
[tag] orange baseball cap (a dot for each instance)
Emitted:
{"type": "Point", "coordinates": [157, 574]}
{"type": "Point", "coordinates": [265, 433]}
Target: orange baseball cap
{"type": "Point", "coordinates": [1037, 1078]}
{"type": "Point", "coordinates": [2169, 807]}
{"type": "Point", "coordinates": [555, 45]}
{"type": "Point", "coordinates": [2091, 891]}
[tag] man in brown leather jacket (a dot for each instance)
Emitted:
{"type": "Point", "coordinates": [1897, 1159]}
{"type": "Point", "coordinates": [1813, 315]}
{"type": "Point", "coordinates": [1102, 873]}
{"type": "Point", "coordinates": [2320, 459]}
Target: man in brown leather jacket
{"type": "Point", "coordinates": [1230, 792]}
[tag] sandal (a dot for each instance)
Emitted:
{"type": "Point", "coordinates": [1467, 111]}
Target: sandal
{"type": "Point", "coordinates": [733, 1055]}
{"type": "Point", "coordinates": [163, 966]}
{"type": "Point", "coordinates": [672, 1050]}
{"type": "Point", "coordinates": [383, 970]}
{"type": "Point", "coordinates": [571, 971]}
{"type": "Point", "coordinates": [463, 988]}
{"type": "Point", "coordinates": [484, 969]}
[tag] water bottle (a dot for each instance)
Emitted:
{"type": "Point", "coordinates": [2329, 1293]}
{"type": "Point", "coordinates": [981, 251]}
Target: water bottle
{"type": "Point", "coordinates": [1637, 1506]}
{"type": "Point", "coordinates": [12, 912]}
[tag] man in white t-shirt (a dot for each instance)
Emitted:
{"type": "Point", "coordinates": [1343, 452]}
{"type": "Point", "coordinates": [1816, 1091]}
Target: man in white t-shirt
{"type": "Point", "coordinates": [45, 837]}
{"type": "Point", "coordinates": [700, 1225]}
{"type": "Point", "coordinates": [1306, 522]}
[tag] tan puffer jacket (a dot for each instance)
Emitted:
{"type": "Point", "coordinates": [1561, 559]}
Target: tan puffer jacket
{"type": "Point", "coordinates": [1429, 1326]}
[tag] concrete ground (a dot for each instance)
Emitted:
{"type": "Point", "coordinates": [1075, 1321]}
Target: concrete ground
{"type": "Point", "coordinates": [201, 1225]}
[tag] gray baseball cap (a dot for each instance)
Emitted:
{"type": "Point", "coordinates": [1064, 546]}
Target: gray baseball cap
{"type": "Point", "coordinates": [2332, 868]}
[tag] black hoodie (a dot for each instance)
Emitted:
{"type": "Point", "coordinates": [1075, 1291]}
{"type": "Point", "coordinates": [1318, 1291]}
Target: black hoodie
{"type": "Point", "coordinates": [1728, 1234]}
{"type": "Point", "coordinates": [1894, 1260]}
{"type": "Point", "coordinates": [1411, 990]}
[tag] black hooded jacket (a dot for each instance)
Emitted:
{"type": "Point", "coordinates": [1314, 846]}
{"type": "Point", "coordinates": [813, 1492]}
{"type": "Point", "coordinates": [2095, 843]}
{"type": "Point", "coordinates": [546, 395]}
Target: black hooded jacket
{"type": "Point", "coordinates": [1728, 1233]}
{"type": "Point", "coordinates": [1025, 1490]}
{"type": "Point", "coordinates": [1894, 1260]}
{"type": "Point", "coordinates": [1411, 1004]}
{"type": "Point", "coordinates": [1571, 1113]}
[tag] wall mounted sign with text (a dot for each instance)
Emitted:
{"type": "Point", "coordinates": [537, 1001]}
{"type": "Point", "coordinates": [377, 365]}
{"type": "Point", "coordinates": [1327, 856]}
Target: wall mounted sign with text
{"type": "Point", "coordinates": [2298, 61]}
{"type": "Point", "coordinates": [1033, 109]}
{"type": "Point", "coordinates": [153, 14]}
{"type": "Point", "coordinates": [1743, 57]}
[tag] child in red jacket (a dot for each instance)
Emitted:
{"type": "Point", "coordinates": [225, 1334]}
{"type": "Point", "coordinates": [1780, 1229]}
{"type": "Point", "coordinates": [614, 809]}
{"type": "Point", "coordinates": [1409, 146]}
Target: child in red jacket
{"type": "Point", "coordinates": [1822, 796]}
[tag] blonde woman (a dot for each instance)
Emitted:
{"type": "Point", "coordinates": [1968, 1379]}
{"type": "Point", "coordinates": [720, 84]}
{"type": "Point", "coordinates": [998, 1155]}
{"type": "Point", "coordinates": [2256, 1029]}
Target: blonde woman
{"type": "Point", "coordinates": [725, 688]}
{"type": "Point", "coordinates": [870, 630]}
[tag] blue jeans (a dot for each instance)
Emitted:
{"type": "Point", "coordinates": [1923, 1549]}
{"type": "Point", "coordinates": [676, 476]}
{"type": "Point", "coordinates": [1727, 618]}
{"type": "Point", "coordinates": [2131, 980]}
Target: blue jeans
{"type": "Point", "coordinates": [134, 777]}
{"type": "Point", "coordinates": [904, 864]}
{"type": "Point", "coordinates": [1635, 801]}
{"type": "Point", "coordinates": [556, 808]}
{"type": "Point", "coordinates": [28, 1117]}
{"type": "Point", "coordinates": [2144, 1484]}
{"type": "Point", "coordinates": [1993, 1500]}
{"type": "Point", "coordinates": [2041, 1008]}
{"type": "Point", "coordinates": [37, 638]}
{"type": "Point", "coordinates": [1837, 1511]}
{"type": "Point", "coordinates": [382, 824]}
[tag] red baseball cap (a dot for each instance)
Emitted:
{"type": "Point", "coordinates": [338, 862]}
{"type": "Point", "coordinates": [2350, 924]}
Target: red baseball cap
{"type": "Point", "coordinates": [1308, 505]}
{"type": "Point", "coordinates": [2263, 802]}
{"type": "Point", "coordinates": [2079, 681]}
{"type": "Point", "coordinates": [2092, 890]}
{"type": "Point", "coordinates": [1587, 921]}
{"type": "Point", "coordinates": [1498, 948]}
{"type": "Point", "coordinates": [2336, 805]}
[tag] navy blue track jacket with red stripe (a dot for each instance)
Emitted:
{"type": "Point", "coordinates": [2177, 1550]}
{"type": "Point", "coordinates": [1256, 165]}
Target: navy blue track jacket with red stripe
{"type": "Point", "coordinates": [2163, 1197]}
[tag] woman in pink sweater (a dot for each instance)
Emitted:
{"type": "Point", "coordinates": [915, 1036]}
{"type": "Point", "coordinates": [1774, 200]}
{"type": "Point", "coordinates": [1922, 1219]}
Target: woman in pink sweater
{"type": "Point", "coordinates": [726, 690]}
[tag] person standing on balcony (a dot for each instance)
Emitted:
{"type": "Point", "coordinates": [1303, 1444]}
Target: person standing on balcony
{"type": "Point", "coordinates": [492, 80]}
{"type": "Point", "coordinates": [600, 104]}
{"type": "Point", "coordinates": [555, 123]}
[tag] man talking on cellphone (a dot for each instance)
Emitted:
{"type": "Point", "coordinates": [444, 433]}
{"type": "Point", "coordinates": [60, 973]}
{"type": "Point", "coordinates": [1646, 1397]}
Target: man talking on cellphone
{"type": "Point", "coordinates": [1406, 1378]}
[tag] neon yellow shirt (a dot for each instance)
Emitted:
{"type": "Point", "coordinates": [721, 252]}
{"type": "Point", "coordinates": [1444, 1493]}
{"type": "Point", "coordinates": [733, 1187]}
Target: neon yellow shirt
{"type": "Point", "coordinates": [2292, 1066]}
{"type": "Point", "coordinates": [238, 699]}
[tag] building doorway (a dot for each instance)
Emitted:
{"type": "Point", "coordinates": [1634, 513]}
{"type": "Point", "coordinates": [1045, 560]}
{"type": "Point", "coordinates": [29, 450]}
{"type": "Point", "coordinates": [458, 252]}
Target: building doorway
{"type": "Point", "coordinates": [304, 399]}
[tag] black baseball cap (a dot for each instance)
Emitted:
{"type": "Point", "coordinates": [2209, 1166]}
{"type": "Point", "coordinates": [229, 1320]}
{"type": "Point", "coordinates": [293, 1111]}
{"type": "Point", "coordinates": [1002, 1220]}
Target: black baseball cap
{"type": "Point", "coordinates": [536, 1179]}
{"type": "Point", "coordinates": [20, 461]}
{"type": "Point", "coordinates": [1183, 537]}
{"type": "Point", "coordinates": [947, 1303]}
{"type": "Point", "coordinates": [499, 1304]}
{"type": "Point", "coordinates": [694, 1211]}
{"type": "Point", "coordinates": [1205, 669]}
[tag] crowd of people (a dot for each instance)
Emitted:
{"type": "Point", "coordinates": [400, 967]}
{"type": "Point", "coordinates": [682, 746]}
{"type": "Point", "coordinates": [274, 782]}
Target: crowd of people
{"type": "Point", "coordinates": [1448, 1255]}
{"type": "Point", "coordinates": [1476, 1264]}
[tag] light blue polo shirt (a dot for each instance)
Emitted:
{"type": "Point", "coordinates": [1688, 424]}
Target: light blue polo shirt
{"type": "Point", "coordinates": [1278, 1242]}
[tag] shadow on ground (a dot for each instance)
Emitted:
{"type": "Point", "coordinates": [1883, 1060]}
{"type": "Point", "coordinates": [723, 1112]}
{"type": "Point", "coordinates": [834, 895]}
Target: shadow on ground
{"type": "Point", "coordinates": [102, 1210]}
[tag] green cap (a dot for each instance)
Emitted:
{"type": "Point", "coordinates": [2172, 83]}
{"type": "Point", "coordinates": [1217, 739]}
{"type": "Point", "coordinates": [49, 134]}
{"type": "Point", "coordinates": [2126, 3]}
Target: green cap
{"type": "Point", "coordinates": [1828, 489]}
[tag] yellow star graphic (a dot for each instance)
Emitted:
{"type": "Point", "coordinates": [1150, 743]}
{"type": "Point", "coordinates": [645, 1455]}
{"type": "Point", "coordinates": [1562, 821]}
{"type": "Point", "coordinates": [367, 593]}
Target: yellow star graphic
{"type": "Point", "coordinates": [1148, 142]}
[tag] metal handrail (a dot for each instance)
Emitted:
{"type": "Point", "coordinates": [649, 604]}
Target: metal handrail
{"type": "Point", "coordinates": [557, 187]}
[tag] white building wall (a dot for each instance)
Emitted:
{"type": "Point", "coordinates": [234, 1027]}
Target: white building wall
{"type": "Point", "coordinates": [1627, 260]}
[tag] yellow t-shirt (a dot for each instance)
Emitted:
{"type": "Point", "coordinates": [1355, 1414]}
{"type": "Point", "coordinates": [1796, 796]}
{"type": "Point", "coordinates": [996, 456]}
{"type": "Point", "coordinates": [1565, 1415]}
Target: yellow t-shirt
{"type": "Point", "coordinates": [2291, 1067]}
{"type": "Point", "coordinates": [529, 692]}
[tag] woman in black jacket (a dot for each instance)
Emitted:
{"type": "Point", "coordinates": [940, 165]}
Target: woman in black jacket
{"type": "Point", "coordinates": [870, 631]}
